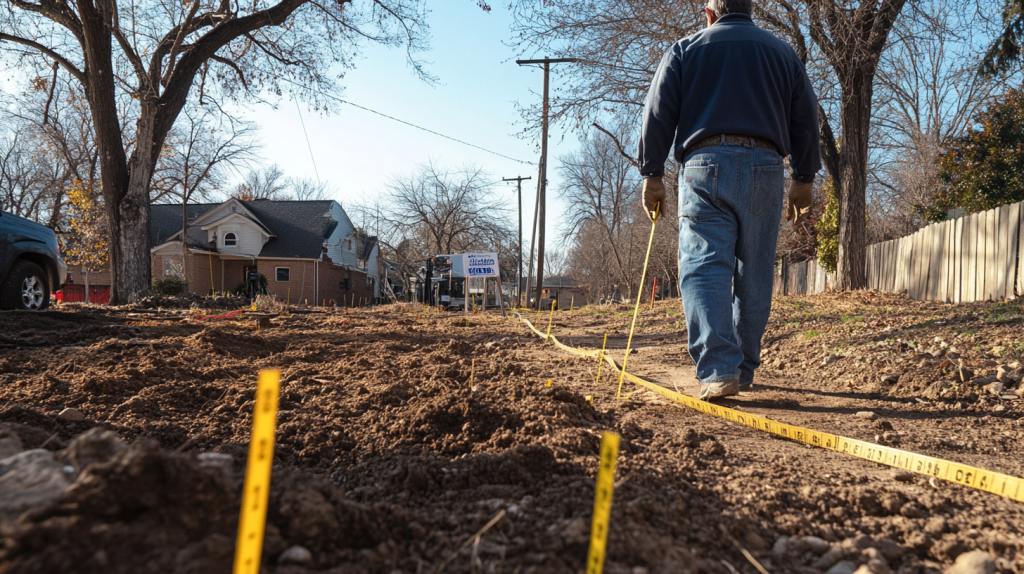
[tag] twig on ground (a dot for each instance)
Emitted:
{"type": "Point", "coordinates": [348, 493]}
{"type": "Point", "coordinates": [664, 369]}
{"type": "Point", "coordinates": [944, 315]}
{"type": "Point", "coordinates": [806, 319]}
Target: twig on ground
{"type": "Point", "coordinates": [47, 441]}
{"type": "Point", "coordinates": [750, 557]}
{"type": "Point", "coordinates": [470, 540]}
{"type": "Point", "coordinates": [729, 566]}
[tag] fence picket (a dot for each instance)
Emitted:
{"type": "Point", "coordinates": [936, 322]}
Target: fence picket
{"type": "Point", "coordinates": [933, 247]}
{"type": "Point", "coordinates": [970, 253]}
{"type": "Point", "coordinates": [939, 263]}
{"type": "Point", "coordinates": [923, 259]}
{"type": "Point", "coordinates": [1012, 245]}
{"type": "Point", "coordinates": [1004, 268]}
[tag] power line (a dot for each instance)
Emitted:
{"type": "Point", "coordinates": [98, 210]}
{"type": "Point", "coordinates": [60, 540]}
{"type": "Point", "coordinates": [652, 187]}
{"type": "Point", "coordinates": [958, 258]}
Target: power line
{"type": "Point", "coordinates": [315, 170]}
{"type": "Point", "coordinates": [364, 108]}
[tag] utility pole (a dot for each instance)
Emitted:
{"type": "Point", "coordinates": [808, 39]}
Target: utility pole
{"type": "Point", "coordinates": [519, 278]}
{"type": "Point", "coordinates": [542, 182]}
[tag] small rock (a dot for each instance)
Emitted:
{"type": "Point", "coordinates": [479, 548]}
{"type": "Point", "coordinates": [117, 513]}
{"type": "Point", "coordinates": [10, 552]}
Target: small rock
{"type": "Point", "coordinates": [218, 460]}
{"type": "Point", "coordinates": [973, 562]}
{"type": "Point", "coordinates": [889, 549]}
{"type": "Point", "coordinates": [870, 415]}
{"type": "Point", "coordinates": [781, 546]}
{"type": "Point", "coordinates": [1003, 374]}
{"type": "Point", "coordinates": [295, 555]}
{"type": "Point", "coordinates": [22, 458]}
{"type": "Point", "coordinates": [815, 544]}
{"type": "Point", "coordinates": [576, 531]}
{"type": "Point", "coordinates": [31, 485]}
{"type": "Point", "coordinates": [935, 525]}
{"type": "Point", "coordinates": [912, 510]}
{"type": "Point", "coordinates": [829, 559]}
{"type": "Point", "coordinates": [934, 390]}
{"type": "Point", "coordinates": [965, 374]}
{"type": "Point", "coordinates": [902, 476]}
{"type": "Point", "coordinates": [844, 567]}
{"type": "Point", "coordinates": [94, 446]}
{"type": "Point", "coordinates": [891, 378]}
{"type": "Point", "coordinates": [982, 381]}
{"type": "Point", "coordinates": [995, 389]}
{"type": "Point", "coordinates": [71, 415]}
{"type": "Point", "coordinates": [829, 359]}
{"type": "Point", "coordinates": [10, 446]}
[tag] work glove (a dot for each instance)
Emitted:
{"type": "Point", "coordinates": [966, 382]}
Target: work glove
{"type": "Point", "coordinates": [801, 196]}
{"type": "Point", "coordinates": [654, 197]}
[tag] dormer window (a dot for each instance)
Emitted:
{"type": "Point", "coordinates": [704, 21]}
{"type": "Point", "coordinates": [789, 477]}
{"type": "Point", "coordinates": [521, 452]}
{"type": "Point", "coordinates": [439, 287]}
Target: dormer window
{"type": "Point", "coordinates": [230, 239]}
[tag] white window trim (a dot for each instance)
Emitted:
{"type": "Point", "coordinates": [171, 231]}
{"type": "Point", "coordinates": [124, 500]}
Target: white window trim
{"type": "Point", "coordinates": [276, 280]}
{"type": "Point", "coordinates": [226, 244]}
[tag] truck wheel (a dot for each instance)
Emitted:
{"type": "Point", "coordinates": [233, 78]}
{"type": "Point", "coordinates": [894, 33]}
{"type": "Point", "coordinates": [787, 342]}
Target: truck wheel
{"type": "Point", "coordinates": [26, 287]}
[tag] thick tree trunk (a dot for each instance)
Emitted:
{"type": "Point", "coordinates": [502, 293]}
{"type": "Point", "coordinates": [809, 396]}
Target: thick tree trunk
{"type": "Point", "coordinates": [853, 170]}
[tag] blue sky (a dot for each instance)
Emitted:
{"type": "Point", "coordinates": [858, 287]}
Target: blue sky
{"type": "Point", "coordinates": [474, 100]}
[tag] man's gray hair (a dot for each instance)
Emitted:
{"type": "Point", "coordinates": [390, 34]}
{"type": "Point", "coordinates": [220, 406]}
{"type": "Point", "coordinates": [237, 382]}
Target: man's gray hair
{"type": "Point", "coordinates": [723, 7]}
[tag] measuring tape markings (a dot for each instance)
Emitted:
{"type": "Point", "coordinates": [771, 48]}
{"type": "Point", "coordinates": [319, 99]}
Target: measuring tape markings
{"type": "Point", "coordinates": [604, 486]}
{"type": "Point", "coordinates": [253, 519]}
{"type": "Point", "coordinates": [989, 481]}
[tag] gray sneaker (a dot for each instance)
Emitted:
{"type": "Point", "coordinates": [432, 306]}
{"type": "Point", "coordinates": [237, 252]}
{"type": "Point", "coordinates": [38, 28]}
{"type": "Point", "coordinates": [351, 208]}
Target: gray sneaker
{"type": "Point", "coordinates": [719, 390]}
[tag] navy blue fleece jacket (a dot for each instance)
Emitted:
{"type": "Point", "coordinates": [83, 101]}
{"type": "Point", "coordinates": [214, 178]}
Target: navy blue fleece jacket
{"type": "Point", "coordinates": [731, 78]}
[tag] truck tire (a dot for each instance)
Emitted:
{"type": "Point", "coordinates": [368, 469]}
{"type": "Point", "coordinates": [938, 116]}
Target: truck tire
{"type": "Point", "coordinates": [26, 287]}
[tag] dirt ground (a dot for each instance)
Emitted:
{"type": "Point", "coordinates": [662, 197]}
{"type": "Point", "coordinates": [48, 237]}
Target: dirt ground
{"type": "Point", "coordinates": [400, 435]}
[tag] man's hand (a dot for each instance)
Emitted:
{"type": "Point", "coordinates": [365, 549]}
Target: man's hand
{"type": "Point", "coordinates": [654, 196]}
{"type": "Point", "coordinates": [801, 196]}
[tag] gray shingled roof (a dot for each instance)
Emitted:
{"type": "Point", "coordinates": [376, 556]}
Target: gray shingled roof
{"type": "Point", "coordinates": [165, 221]}
{"type": "Point", "coordinates": [300, 226]}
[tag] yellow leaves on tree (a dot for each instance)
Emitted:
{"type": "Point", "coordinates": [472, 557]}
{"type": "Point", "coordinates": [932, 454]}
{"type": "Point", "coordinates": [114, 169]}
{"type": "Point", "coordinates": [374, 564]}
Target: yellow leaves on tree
{"type": "Point", "coordinates": [86, 243]}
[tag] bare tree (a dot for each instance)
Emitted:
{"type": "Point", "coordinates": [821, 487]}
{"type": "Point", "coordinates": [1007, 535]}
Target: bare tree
{"type": "Point", "coordinates": [604, 227]}
{"type": "Point", "coordinates": [928, 90]}
{"type": "Point", "coordinates": [158, 51]}
{"type": "Point", "coordinates": [449, 210]}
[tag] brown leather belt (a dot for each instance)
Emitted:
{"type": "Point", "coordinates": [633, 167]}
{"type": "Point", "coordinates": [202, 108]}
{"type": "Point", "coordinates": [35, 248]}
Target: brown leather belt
{"type": "Point", "coordinates": [728, 139]}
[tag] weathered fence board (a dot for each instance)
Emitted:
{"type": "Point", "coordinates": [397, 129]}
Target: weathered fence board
{"type": "Point", "coordinates": [970, 262]}
{"type": "Point", "coordinates": [977, 257]}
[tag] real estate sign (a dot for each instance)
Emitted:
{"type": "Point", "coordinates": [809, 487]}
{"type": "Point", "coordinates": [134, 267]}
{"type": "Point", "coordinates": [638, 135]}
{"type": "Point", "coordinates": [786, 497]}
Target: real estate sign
{"type": "Point", "coordinates": [480, 264]}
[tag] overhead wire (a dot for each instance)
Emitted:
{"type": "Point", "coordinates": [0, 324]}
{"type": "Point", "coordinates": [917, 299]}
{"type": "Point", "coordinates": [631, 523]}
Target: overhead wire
{"type": "Point", "coordinates": [401, 121]}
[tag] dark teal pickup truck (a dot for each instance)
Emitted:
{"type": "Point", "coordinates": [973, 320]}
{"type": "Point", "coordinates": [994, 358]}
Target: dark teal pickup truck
{"type": "Point", "coordinates": [31, 268]}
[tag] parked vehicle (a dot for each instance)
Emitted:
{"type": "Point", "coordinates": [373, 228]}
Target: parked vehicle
{"type": "Point", "coordinates": [31, 267]}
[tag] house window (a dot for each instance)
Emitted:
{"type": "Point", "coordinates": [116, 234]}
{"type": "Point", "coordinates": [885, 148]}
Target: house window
{"type": "Point", "coordinates": [230, 239]}
{"type": "Point", "coordinates": [281, 274]}
{"type": "Point", "coordinates": [350, 245]}
{"type": "Point", "coordinates": [361, 263]}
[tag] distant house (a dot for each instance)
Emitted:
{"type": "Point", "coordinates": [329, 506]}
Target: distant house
{"type": "Point", "coordinates": [308, 250]}
{"type": "Point", "coordinates": [560, 287]}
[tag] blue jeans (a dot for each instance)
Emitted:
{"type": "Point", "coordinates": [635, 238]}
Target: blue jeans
{"type": "Point", "coordinates": [730, 201]}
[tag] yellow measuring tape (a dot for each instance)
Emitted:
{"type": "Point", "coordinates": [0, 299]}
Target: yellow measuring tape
{"type": "Point", "coordinates": [602, 502]}
{"type": "Point", "coordinates": [636, 310]}
{"type": "Point", "coordinates": [249, 547]}
{"type": "Point", "coordinates": [977, 478]}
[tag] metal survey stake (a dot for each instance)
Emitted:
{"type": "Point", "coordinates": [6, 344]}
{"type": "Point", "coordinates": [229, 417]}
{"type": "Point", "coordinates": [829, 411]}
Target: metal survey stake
{"type": "Point", "coordinates": [251, 523]}
{"type": "Point", "coordinates": [605, 484]}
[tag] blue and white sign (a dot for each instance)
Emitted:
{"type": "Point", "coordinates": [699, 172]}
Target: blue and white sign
{"type": "Point", "coordinates": [480, 264]}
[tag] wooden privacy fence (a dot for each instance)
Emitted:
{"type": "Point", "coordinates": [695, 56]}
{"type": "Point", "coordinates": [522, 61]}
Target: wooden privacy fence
{"type": "Point", "coordinates": [978, 257]}
{"type": "Point", "coordinates": [802, 278]}
{"type": "Point", "coordinates": [972, 258]}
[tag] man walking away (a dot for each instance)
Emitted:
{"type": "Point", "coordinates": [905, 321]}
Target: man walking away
{"type": "Point", "coordinates": [736, 100]}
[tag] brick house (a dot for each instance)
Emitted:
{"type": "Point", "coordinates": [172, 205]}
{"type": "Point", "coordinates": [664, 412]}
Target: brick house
{"type": "Point", "coordinates": [308, 250]}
